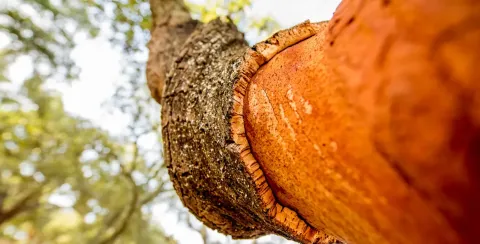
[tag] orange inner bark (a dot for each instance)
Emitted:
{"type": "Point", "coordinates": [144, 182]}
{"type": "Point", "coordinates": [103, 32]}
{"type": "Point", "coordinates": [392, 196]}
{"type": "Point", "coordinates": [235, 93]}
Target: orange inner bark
{"type": "Point", "coordinates": [316, 153]}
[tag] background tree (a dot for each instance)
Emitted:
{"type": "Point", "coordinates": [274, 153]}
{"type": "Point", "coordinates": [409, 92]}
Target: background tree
{"type": "Point", "coordinates": [63, 179]}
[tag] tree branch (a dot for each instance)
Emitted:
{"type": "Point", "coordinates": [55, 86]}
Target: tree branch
{"type": "Point", "coordinates": [3, 196]}
{"type": "Point", "coordinates": [169, 12]}
{"type": "Point", "coordinates": [172, 25]}
{"type": "Point", "coordinates": [19, 207]}
{"type": "Point", "coordinates": [152, 195]}
{"type": "Point", "coordinates": [129, 214]}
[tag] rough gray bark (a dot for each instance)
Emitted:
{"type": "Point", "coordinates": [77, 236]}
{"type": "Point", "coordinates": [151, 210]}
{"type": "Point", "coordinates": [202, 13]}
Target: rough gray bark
{"type": "Point", "coordinates": [196, 136]}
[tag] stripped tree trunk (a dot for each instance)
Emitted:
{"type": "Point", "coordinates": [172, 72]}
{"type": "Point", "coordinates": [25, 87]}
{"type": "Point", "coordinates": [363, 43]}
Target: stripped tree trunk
{"type": "Point", "coordinates": [326, 133]}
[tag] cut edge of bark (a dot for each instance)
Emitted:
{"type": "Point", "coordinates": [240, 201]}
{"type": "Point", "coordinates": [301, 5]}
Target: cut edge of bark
{"type": "Point", "coordinates": [261, 53]}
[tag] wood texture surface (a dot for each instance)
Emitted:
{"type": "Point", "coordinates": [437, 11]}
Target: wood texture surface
{"type": "Point", "coordinates": [371, 129]}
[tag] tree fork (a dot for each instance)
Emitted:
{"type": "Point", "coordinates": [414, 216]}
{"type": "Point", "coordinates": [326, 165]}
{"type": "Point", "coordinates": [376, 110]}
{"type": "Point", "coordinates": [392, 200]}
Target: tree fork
{"type": "Point", "coordinates": [363, 130]}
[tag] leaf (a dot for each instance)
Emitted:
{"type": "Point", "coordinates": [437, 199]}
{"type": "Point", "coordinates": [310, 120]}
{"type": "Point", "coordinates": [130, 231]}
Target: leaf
{"type": "Point", "coordinates": [7, 100]}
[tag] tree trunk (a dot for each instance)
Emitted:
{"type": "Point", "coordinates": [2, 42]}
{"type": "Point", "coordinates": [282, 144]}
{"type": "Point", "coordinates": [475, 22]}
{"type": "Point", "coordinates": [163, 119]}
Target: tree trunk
{"type": "Point", "coordinates": [363, 130]}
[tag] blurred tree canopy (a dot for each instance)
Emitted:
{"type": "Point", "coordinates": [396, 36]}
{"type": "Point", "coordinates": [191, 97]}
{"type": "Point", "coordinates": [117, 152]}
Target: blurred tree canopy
{"type": "Point", "coordinates": [62, 179]}
{"type": "Point", "coordinates": [65, 181]}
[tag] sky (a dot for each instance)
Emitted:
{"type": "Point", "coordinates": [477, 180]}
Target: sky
{"type": "Point", "coordinates": [101, 68]}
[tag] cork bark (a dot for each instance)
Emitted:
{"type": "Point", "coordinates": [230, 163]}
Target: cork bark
{"type": "Point", "coordinates": [171, 27]}
{"type": "Point", "coordinates": [411, 69]}
{"type": "Point", "coordinates": [206, 150]}
{"type": "Point", "coordinates": [299, 110]}
{"type": "Point", "coordinates": [200, 73]}
{"type": "Point", "coordinates": [361, 130]}
{"type": "Point", "coordinates": [380, 113]}
{"type": "Point", "coordinates": [203, 164]}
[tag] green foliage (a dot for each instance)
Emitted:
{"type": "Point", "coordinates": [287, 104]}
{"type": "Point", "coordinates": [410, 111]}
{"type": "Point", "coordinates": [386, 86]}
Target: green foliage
{"type": "Point", "coordinates": [236, 11]}
{"type": "Point", "coordinates": [44, 31]}
{"type": "Point", "coordinates": [63, 180]}
{"type": "Point", "coordinates": [213, 9]}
